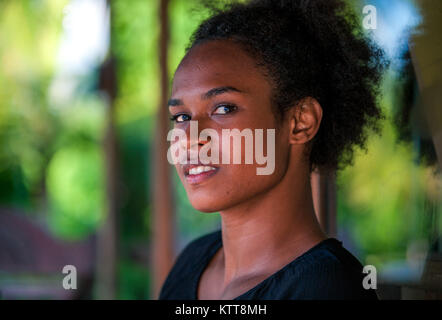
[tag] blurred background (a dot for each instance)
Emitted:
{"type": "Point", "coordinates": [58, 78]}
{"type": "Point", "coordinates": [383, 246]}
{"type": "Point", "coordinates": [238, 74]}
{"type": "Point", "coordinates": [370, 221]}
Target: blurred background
{"type": "Point", "coordinates": [84, 179]}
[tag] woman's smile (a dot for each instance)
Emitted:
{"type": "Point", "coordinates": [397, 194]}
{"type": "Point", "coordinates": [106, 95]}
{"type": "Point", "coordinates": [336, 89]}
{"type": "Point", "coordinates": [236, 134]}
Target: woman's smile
{"type": "Point", "coordinates": [197, 173]}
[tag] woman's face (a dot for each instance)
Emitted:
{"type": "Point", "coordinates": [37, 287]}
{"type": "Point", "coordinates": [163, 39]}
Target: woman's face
{"type": "Point", "coordinates": [243, 102]}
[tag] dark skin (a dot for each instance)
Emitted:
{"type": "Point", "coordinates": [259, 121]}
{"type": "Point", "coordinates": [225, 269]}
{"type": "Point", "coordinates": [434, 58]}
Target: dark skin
{"type": "Point", "coordinates": [267, 220]}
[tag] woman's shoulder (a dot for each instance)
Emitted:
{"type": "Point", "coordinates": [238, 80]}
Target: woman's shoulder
{"type": "Point", "coordinates": [187, 266]}
{"type": "Point", "coordinates": [327, 271]}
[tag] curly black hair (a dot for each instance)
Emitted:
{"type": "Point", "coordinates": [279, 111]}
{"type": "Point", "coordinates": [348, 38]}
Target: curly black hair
{"type": "Point", "coordinates": [310, 48]}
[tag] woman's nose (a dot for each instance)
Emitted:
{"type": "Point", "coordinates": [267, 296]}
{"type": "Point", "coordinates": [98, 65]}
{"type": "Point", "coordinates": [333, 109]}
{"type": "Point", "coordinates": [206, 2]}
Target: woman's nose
{"type": "Point", "coordinates": [188, 143]}
{"type": "Point", "coordinates": [193, 141]}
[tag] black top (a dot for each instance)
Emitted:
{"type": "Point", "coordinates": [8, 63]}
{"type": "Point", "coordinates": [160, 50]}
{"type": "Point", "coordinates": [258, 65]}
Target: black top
{"type": "Point", "coordinates": [326, 271]}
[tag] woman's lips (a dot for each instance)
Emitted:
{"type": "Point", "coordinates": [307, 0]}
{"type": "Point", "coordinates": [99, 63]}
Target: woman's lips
{"type": "Point", "coordinates": [195, 174]}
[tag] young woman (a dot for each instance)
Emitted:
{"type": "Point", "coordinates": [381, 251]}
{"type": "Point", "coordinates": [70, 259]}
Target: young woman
{"type": "Point", "coordinates": [304, 69]}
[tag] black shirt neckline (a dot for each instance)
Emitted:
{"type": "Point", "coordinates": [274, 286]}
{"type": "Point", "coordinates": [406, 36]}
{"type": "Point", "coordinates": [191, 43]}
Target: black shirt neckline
{"type": "Point", "coordinates": [218, 244]}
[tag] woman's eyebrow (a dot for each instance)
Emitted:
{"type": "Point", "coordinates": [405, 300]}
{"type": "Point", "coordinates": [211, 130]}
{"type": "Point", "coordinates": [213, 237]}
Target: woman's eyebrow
{"type": "Point", "coordinates": [175, 102]}
{"type": "Point", "coordinates": [209, 94]}
{"type": "Point", "coordinates": [216, 91]}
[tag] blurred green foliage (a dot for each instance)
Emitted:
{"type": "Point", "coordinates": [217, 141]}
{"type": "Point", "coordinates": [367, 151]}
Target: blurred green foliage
{"type": "Point", "coordinates": [75, 176]}
{"type": "Point", "coordinates": [383, 198]}
{"type": "Point", "coordinates": [29, 33]}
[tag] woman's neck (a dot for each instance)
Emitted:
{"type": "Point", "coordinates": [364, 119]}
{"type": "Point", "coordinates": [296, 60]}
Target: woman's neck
{"type": "Point", "coordinates": [271, 229]}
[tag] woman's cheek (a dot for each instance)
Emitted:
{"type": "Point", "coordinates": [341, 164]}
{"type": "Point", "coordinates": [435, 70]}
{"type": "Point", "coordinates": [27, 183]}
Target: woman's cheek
{"type": "Point", "coordinates": [233, 185]}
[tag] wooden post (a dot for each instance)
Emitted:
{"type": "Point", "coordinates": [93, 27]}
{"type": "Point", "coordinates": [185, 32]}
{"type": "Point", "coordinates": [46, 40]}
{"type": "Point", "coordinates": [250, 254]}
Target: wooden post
{"type": "Point", "coordinates": [426, 53]}
{"type": "Point", "coordinates": [108, 236]}
{"type": "Point", "coordinates": [162, 215]}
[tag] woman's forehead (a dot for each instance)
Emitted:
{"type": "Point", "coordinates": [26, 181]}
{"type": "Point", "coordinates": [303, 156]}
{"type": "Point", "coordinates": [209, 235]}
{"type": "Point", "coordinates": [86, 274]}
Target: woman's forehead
{"type": "Point", "coordinates": [217, 63]}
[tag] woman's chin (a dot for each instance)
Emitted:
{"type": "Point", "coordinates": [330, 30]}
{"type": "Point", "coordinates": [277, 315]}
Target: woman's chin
{"type": "Point", "coordinates": [206, 204]}
{"type": "Point", "coordinates": [205, 207]}
{"type": "Point", "coordinates": [214, 204]}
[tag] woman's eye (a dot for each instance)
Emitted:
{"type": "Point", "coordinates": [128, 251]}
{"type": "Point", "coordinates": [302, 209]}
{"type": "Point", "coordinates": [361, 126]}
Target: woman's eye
{"type": "Point", "coordinates": [224, 109]}
{"type": "Point", "coordinates": [180, 118]}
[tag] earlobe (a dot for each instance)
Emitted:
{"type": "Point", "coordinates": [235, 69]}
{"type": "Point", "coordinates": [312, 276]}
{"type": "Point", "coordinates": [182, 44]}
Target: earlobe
{"type": "Point", "coordinates": [305, 120]}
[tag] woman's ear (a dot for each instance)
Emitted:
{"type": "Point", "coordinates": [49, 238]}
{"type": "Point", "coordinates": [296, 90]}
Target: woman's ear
{"type": "Point", "coordinates": [305, 119]}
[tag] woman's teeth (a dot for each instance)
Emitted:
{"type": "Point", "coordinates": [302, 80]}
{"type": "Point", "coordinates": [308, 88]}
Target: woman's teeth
{"type": "Point", "coordinates": [200, 169]}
